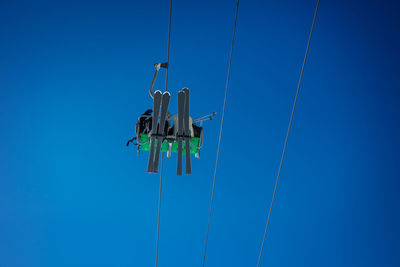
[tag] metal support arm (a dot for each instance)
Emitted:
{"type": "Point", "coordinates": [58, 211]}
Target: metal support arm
{"type": "Point", "coordinates": [157, 66]}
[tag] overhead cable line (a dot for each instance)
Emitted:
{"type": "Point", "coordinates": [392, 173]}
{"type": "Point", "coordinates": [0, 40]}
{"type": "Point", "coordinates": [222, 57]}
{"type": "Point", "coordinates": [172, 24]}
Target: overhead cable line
{"type": "Point", "coordinates": [162, 155]}
{"type": "Point", "coordinates": [220, 132]}
{"type": "Point", "coordinates": [288, 132]}
{"type": "Point", "coordinates": [169, 40]}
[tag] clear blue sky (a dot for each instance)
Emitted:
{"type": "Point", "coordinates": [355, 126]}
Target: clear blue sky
{"type": "Point", "coordinates": [74, 76]}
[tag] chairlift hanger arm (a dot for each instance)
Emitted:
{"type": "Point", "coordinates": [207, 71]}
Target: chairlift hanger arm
{"type": "Point", "coordinates": [157, 66]}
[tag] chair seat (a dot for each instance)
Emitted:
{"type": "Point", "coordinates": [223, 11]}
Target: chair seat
{"type": "Point", "coordinates": [145, 144]}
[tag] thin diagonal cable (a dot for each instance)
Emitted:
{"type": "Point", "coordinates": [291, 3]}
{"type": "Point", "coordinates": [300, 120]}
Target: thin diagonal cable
{"type": "Point", "coordinates": [159, 209]}
{"type": "Point", "coordinates": [288, 132]}
{"type": "Point", "coordinates": [162, 155]}
{"type": "Point", "coordinates": [220, 132]}
{"type": "Point", "coordinates": [169, 40]}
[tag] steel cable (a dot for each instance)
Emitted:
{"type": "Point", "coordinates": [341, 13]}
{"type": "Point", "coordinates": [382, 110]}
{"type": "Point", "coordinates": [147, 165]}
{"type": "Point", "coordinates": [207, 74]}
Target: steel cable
{"type": "Point", "coordinates": [220, 133]}
{"type": "Point", "coordinates": [288, 132]}
{"type": "Point", "coordinates": [162, 155]}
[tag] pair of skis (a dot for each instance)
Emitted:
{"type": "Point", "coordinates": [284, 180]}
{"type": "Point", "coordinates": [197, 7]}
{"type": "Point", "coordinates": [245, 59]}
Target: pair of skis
{"type": "Point", "coordinates": [158, 134]}
{"type": "Point", "coordinates": [183, 133]}
{"type": "Point", "coordinates": [161, 101]}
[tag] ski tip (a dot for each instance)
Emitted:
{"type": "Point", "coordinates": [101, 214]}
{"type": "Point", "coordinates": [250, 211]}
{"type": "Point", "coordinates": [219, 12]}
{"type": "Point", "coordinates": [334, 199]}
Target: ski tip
{"type": "Point", "coordinates": [185, 90]}
{"type": "Point", "coordinates": [158, 92]}
{"type": "Point", "coordinates": [167, 93]}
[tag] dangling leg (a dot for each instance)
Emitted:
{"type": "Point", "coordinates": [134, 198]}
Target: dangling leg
{"type": "Point", "coordinates": [156, 111]}
{"type": "Point", "coordinates": [161, 129]}
{"type": "Point", "coordinates": [187, 131]}
{"type": "Point", "coordinates": [181, 106]}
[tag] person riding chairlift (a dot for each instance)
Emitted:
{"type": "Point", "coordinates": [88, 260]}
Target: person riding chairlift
{"type": "Point", "coordinates": [144, 126]}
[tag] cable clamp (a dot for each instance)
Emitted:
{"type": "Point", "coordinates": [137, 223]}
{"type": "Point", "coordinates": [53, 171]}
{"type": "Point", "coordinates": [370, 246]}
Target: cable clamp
{"type": "Point", "coordinates": [161, 65]}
